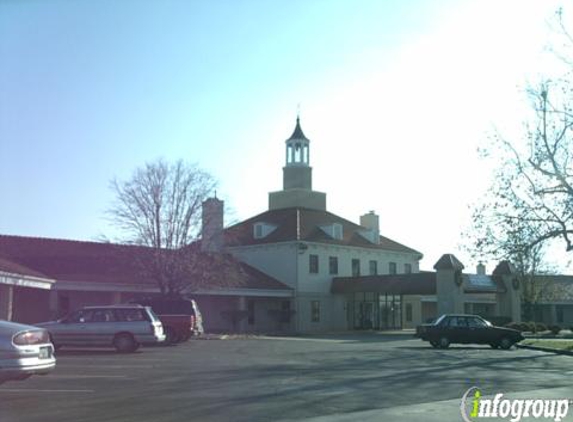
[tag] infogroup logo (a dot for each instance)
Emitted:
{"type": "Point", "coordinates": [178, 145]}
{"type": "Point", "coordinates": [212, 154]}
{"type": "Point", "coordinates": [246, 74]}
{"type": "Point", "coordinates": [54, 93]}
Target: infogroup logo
{"type": "Point", "coordinates": [474, 407]}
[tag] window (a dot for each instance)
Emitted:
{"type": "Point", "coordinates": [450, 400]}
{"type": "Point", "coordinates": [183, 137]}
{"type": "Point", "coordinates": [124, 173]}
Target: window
{"type": "Point", "coordinates": [285, 311]}
{"type": "Point", "coordinates": [251, 312]}
{"type": "Point", "coordinates": [337, 231]}
{"type": "Point", "coordinates": [373, 266]}
{"type": "Point", "coordinates": [392, 268]}
{"type": "Point", "coordinates": [63, 305]}
{"type": "Point", "coordinates": [408, 268]}
{"type": "Point", "coordinates": [334, 230]}
{"type": "Point", "coordinates": [258, 231]}
{"type": "Point", "coordinates": [476, 323]}
{"type": "Point", "coordinates": [261, 230]}
{"type": "Point", "coordinates": [315, 311]}
{"type": "Point", "coordinates": [313, 264]}
{"type": "Point", "coordinates": [103, 315]}
{"type": "Point", "coordinates": [333, 265]}
{"type": "Point", "coordinates": [559, 310]}
{"type": "Point", "coordinates": [408, 312]}
{"type": "Point", "coordinates": [130, 315]}
{"type": "Point", "coordinates": [355, 267]}
{"type": "Point", "coordinates": [457, 322]}
{"type": "Point", "coordinates": [80, 316]}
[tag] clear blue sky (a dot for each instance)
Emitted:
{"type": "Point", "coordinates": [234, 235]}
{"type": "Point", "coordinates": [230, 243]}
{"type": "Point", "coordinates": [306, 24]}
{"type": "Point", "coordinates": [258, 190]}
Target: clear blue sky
{"type": "Point", "coordinates": [395, 97]}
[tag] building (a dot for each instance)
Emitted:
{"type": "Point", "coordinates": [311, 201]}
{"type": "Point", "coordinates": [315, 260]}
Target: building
{"type": "Point", "coordinates": [304, 269]}
{"type": "Point", "coordinates": [303, 245]}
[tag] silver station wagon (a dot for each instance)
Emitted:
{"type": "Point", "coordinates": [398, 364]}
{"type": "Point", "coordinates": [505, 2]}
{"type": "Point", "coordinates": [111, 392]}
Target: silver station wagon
{"type": "Point", "coordinates": [124, 327]}
{"type": "Point", "coordinates": [24, 351]}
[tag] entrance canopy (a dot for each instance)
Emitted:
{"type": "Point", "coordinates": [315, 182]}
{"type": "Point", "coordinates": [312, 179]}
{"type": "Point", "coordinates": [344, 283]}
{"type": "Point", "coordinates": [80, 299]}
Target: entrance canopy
{"type": "Point", "coordinates": [422, 283]}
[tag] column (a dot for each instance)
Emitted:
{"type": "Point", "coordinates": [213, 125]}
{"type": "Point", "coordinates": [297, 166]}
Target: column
{"type": "Point", "coordinates": [6, 301]}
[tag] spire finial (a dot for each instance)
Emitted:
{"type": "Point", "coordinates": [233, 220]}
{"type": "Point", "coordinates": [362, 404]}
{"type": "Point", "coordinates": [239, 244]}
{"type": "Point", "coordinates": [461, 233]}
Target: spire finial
{"type": "Point", "coordinates": [298, 112]}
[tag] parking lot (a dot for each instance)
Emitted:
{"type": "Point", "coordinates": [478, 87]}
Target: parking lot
{"type": "Point", "coordinates": [346, 377]}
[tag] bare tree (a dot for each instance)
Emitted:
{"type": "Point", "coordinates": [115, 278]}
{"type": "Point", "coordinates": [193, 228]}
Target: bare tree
{"type": "Point", "coordinates": [159, 209]}
{"type": "Point", "coordinates": [531, 200]}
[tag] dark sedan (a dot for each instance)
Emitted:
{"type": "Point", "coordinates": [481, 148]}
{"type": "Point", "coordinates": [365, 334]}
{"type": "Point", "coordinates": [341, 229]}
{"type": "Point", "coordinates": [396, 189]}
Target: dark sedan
{"type": "Point", "coordinates": [467, 329]}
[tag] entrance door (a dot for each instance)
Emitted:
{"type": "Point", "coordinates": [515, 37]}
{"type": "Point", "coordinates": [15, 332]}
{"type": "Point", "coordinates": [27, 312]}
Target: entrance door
{"type": "Point", "coordinates": [366, 315]}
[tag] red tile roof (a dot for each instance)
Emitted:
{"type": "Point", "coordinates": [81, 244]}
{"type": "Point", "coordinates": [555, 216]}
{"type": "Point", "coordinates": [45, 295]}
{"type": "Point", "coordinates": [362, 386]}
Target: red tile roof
{"type": "Point", "coordinates": [83, 261]}
{"type": "Point", "coordinates": [10, 267]}
{"type": "Point", "coordinates": [304, 224]}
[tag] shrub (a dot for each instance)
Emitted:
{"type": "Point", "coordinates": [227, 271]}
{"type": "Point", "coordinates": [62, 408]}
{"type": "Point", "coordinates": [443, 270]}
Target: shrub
{"type": "Point", "coordinates": [530, 326]}
{"type": "Point", "coordinates": [539, 327]}
{"type": "Point", "coordinates": [514, 325]}
{"type": "Point", "coordinates": [555, 329]}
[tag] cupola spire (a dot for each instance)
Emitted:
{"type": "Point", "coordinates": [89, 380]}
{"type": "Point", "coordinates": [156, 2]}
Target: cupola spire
{"type": "Point", "coordinates": [297, 147]}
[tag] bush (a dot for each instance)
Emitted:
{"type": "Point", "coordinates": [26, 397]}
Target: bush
{"type": "Point", "coordinates": [555, 329]}
{"type": "Point", "coordinates": [514, 325]}
{"type": "Point", "coordinates": [540, 327]}
{"type": "Point", "coordinates": [531, 326]}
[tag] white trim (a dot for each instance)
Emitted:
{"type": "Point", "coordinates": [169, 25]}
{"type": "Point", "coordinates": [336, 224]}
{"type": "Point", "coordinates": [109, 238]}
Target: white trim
{"type": "Point", "coordinates": [108, 287]}
{"type": "Point", "coordinates": [330, 246]}
{"type": "Point", "coordinates": [26, 281]}
{"type": "Point", "coordinates": [244, 292]}
{"type": "Point", "coordinates": [103, 287]}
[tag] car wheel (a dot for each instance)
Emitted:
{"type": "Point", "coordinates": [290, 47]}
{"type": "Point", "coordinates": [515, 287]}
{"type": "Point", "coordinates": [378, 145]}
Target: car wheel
{"type": "Point", "coordinates": [505, 343]}
{"type": "Point", "coordinates": [171, 336]}
{"type": "Point", "coordinates": [444, 342]}
{"type": "Point", "coordinates": [125, 343]}
{"type": "Point", "coordinates": [434, 343]}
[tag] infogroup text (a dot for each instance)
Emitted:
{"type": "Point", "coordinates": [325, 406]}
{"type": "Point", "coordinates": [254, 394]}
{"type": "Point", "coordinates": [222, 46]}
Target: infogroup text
{"type": "Point", "coordinates": [475, 407]}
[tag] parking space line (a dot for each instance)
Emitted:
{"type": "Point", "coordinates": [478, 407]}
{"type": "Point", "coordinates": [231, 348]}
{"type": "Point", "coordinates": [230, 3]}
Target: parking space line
{"type": "Point", "coordinates": [38, 390]}
{"type": "Point", "coordinates": [64, 365]}
{"type": "Point", "coordinates": [86, 376]}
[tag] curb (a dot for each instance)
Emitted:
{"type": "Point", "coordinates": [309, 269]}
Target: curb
{"type": "Point", "coordinates": [546, 349]}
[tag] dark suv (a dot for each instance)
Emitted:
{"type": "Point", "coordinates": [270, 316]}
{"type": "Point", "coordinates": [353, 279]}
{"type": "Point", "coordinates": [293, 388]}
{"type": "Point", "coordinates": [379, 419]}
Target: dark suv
{"type": "Point", "coordinates": [467, 329]}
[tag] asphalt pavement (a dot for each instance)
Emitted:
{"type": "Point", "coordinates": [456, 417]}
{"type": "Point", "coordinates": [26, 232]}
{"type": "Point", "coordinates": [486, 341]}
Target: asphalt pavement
{"type": "Point", "coordinates": [351, 377]}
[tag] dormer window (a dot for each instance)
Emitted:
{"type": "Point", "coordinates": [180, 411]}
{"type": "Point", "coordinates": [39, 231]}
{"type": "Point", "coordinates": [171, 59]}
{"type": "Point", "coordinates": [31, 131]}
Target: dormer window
{"type": "Point", "coordinates": [337, 231]}
{"type": "Point", "coordinates": [334, 230]}
{"type": "Point", "coordinates": [370, 235]}
{"type": "Point", "coordinates": [262, 230]}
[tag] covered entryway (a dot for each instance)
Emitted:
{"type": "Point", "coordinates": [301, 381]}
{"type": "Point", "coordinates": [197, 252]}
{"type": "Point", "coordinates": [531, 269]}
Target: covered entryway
{"type": "Point", "coordinates": [376, 302]}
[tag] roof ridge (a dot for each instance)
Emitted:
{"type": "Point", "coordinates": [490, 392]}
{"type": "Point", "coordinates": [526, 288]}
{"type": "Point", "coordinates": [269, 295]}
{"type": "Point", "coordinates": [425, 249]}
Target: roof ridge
{"type": "Point", "coordinates": [75, 241]}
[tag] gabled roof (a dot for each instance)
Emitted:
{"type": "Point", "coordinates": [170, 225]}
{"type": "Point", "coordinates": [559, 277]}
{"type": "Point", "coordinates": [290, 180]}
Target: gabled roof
{"type": "Point", "coordinates": [448, 262]}
{"type": "Point", "coordinates": [10, 267]}
{"type": "Point", "coordinates": [303, 224]}
{"type": "Point", "coordinates": [76, 261]}
{"type": "Point", "coordinates": [83, 261]}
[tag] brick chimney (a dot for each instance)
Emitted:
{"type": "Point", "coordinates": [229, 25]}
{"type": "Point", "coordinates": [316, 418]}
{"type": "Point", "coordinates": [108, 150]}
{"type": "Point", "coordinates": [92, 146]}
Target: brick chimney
{"type": "Point", "coordinates": [371, 221]}
{"type": "Point", "coordinates": [212, 225]}
{"type": "Point", "coordinates": [480, 269]}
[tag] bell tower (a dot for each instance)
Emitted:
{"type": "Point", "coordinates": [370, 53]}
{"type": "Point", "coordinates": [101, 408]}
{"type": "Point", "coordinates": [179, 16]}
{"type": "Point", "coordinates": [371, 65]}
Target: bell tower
{"type": "Point", "coordinates": [297, 176]}
{"type": "Point", "coordinates": [297, 172]}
